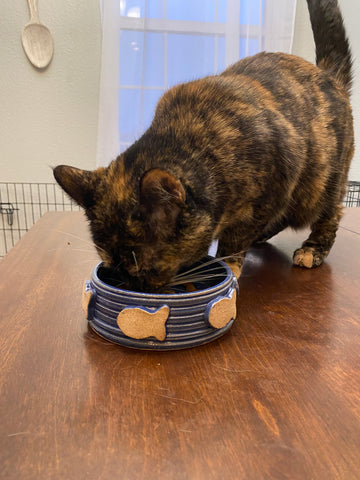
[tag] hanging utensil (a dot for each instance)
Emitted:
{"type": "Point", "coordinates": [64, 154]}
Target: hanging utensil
{"type": "Point", "coordinates": [36, 39]}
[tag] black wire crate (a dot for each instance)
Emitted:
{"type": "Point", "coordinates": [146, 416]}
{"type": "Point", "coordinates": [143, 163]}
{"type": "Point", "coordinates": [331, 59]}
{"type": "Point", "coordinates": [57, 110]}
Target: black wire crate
{"type": "Point", "coordinates": [352, 198]}
{"type": "Point", "coordinates": [22, 204]}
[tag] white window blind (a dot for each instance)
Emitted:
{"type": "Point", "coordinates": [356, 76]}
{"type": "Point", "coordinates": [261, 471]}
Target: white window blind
{"type": "Point", "coordinates": [151, 45]}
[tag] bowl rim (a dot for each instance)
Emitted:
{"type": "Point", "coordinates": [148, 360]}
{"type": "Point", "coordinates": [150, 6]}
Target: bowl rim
{"type": "Point", "coordinates": [229, 278]}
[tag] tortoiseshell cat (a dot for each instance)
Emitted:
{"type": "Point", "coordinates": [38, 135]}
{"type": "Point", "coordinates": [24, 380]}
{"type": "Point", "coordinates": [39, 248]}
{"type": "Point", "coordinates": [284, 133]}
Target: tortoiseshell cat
{"type": "Point", "coordinates": [238, 156]}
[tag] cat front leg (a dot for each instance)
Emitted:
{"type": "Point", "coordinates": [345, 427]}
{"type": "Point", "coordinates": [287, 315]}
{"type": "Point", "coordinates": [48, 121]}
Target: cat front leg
{"type": "Point", "coordinates": [317, 247]}
{"type": "Point", "coordinates": [272, 231]}
{"type": "Point", "coordinates": [236, 264]}
{"type": "Point", "coordinates": [235, 241]}
{"type": "Point", "coordinates": [232, 250]}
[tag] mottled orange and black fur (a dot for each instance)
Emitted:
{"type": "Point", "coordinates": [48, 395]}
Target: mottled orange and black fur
{"type": "Point", "coordinates": [238, 156]}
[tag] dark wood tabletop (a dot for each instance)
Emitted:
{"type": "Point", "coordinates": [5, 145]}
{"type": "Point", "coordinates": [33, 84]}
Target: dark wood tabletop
{"type": "Point", "coordinates": [278, 397]}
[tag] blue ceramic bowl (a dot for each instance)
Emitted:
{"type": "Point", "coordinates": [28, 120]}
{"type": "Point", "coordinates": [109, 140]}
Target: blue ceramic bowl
{"type": "Point", "coordinates": [167, 321]}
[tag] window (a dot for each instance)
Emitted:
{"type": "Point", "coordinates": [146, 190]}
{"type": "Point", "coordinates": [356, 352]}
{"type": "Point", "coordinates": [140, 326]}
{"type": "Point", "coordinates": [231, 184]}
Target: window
{"type": "Point", "coordinates": [151, 45]}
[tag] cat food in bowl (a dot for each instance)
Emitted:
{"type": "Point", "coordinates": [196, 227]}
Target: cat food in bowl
{"type": "Point", "coordinates": [191, 314]}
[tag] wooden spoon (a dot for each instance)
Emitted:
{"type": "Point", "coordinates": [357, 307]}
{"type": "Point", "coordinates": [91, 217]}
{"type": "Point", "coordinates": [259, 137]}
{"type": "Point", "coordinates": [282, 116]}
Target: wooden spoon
{"type": "Point", "coordinates": [36, 39]}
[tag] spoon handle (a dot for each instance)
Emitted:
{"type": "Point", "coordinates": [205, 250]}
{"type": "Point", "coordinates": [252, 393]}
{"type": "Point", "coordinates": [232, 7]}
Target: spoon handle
{"type": "Point", "coordinates": [34, 16]}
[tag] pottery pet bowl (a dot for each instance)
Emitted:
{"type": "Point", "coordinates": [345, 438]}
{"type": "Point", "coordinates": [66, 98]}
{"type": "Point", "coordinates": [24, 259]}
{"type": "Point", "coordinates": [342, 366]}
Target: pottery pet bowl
{"type": "Point", "coordinates": [165, 321]}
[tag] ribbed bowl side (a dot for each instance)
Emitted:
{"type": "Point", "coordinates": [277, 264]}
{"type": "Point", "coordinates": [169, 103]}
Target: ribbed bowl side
{"type": "Point", "coordinates": [186, 326]}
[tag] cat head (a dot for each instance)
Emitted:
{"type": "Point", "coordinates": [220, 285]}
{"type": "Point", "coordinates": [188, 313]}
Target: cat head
{"type": "Point", "coordinates": [146, 226]}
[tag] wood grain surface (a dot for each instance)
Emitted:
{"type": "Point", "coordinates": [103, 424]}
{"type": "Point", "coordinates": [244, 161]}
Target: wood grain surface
{"type": "Point", "coordinates": [278, 397]}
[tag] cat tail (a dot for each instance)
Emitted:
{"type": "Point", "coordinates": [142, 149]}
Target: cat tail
{"type": "Point", "coordinates": [332, 46]}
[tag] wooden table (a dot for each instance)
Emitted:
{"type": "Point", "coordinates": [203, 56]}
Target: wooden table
{"type": "Point", "coordinates": [276, 398]}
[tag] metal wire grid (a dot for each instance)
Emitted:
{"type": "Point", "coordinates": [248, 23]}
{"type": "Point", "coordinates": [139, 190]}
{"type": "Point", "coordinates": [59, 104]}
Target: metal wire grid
{"type": "Point", "coordinates": [22, 204]}
{"type": "Point", "coordinates": [352, 198]}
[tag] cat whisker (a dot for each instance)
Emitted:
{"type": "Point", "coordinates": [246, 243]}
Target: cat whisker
{"type": "Point", "coordinates": [210, 262]}
{"type": "Point", "coordinates": [207, 272]}
{"type": "Point", "coordinates": [116, 267]}
{"type": "Point", "coordinates": [136, 264]}
{"type": "Point", "coordinates": [85, 262]}
{"type": "Point", "coordinates": [79, 238]}
{"type": "Point", "coordinates": [194, 269]}
{"type": "Point", "coordinates": [195, 278]}
{"type": "Point", "coordinates": [81, 250]}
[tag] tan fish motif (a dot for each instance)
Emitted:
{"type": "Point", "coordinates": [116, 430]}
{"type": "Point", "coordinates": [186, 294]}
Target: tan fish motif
{"type": "Point", "coordinates": [140, 323]}
{"type": "Point", "coordinates": [221, 310]}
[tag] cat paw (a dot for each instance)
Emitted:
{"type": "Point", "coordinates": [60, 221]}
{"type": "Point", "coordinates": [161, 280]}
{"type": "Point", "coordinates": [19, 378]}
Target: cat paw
{"type": "Point", "coordinates": [307, 257]}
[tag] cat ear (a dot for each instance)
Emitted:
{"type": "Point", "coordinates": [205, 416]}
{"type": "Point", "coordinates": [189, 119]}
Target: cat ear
{"type": "Point", "coordinates": [76, 183]}
{"type": "Point", "coordinates": [162, 196]}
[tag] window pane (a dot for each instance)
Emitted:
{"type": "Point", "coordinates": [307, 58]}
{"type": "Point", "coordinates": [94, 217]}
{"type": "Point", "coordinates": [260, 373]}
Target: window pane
{"type": "Point", "coordinates": [131, 53]}
{"type": "Point", "coordinates": [220, 55]}
{"type": "Point", "coordinates": [136, 111]}
{"type": "Point", "coordinates": [132, 60]}
{"type": "Point", "coordinates": [191, 10]}
{"type": "Point", "coordinates": [150, 100]}
{"type": "Point", "coordinates": [189, 57]}
{"type": "Point", "coordinates": [129, 113]}
{"type": "Point", "coordinates": [221, 14]}
{"type": "Point", "coordinates": [155, 9]}
{"type": "Point", "coordinates": [154, 75]}
{"type": "Point", "coordinates": [252, 12]}
{"type": "Point", "coordinates": [132, 8]}
{"type": "Point", "coordinates": [249, 46]}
